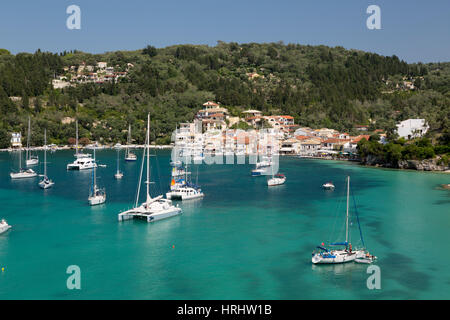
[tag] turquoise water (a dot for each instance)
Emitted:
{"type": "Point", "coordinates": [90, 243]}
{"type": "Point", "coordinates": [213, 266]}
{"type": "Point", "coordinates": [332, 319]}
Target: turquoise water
{"type": "Point", "coordinates": [242, 241]}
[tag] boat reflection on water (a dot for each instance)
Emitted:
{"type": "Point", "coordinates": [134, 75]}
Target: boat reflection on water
{"type": "Point", "coordinates": [339, 269]}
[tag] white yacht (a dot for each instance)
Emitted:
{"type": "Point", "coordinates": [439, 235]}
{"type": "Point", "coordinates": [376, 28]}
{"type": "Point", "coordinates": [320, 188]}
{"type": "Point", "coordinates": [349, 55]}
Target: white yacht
{"type": "Point", "coordinates": [83, 161]}
{"type": "Point", "coordinates": [96, 195]}
{"type": "Point", "coordinates": [22, 173]}
{"type": "Point", "coordinates": [333, 256]}
{"type": "Point", "coordinates": [129, 156]}
{"type": "Point", "coordinates": [45, 183]}
{"type": "Point", "coordinates": [153, 209]}
{"type": "Point", "coordinates": [31, 160]}
{"type": "Point", "coordinates": [4, 226]}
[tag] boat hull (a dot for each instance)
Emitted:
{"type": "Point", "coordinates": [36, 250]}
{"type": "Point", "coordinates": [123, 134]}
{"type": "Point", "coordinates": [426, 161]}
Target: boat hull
{"type": "Point", "coordinates": [149, 217]}
{"type": "Point", "coordinates": [22, 175]}
{"type": "Point", "coordinates": [174, 195]}
{"type": "Point", "coordinates": [32, 162]}
{"type": "Point", "coordinates": [4, 228]}
{"type": "Point", "coordinates": [46, 185]}
{"type": "Point", "coordinates": [336, 257]}
{"type": "Point", "coordinates": [96, 200]}
{"type": "Point", "coordinates": [276, 182]}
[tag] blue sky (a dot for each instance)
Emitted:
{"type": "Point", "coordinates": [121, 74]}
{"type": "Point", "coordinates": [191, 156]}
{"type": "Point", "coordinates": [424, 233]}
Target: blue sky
{"type": "Point", "coordinates": [412, 30]}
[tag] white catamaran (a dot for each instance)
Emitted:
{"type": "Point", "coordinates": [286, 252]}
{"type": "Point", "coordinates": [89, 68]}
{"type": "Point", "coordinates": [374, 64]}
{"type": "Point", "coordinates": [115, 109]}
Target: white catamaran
{"type": "Point", "coordinates": [83, 161]}
{"type": "Point", "coordinates": [45, 183]}
{"type": "Point", "coordinates": [129, 156]}
{"type": "Point", "coordinates": [181, 187]}
{"type": "Point", "coordinates": [348, 254]}
{"type": "Point", "coordinates": [152, 209]}
{"type": "Point", "coordinates": [96, 195]}
{"type": "Point", "coordinates": [31, 160]}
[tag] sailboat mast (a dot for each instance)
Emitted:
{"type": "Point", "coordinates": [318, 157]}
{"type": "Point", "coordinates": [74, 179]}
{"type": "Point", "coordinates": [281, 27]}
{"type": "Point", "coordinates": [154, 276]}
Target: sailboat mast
{"type": "Point", "coordinates": [346, 222]}
{"type": "Point", "coordinates": [28, 138]}
{"type": "Point", "coordinates": [148, 158]}
{"type": "Point", "coordinates": [128, 140]}
{"type": "Point", "coordinates": [117, 160]}
{"type": "Point", "coordinates": [76, 141]}
{"type": "Point", "coordinates": [45, 153]}
{"type": "Point", "coordinates": [95, 174]}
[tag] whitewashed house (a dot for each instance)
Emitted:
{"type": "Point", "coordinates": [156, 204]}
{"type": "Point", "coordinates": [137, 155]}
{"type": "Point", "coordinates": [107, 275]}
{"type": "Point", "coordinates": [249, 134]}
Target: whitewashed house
{"type": "Point", "coordinates": [412, 128]}
{"type": "Point", "coordinates": [16, 140]}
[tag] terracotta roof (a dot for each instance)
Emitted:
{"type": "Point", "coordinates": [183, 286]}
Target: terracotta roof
{"type": "Point", "coordinates": [359, 138]}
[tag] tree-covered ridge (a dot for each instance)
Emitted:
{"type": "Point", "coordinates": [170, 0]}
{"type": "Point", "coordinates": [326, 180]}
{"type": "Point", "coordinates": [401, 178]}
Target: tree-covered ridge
{"type": "Point", "coordinates": [319, 86]}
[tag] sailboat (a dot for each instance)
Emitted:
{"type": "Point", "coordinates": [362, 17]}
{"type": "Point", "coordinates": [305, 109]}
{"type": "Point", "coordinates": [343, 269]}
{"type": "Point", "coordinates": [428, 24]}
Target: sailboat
{"type": "Point", "coordinates": [182, 188]}
{"type": "Point", "coordinates": [129, 156]}
{"type": "Point", "coordinates": [97, 195]}
{"type": "Point", "coordinates": [45, 183]}
{"type": "Point", "coordinates": [153, 209]}
{"type": "Point", "coordinates": [4, 226]}
{"type": "Point", "coordinates": [349, 254]}
{"type": "Point", "coordinates": [261, 167]}
{"type": "Point", "coordinates": [118, 175]}
{"type": "Point", "coordinates": [22, 173]}
{"type": "Point", "coordinates": [83, 161]}
{"type": "Point", "coordinates": [31, 160]}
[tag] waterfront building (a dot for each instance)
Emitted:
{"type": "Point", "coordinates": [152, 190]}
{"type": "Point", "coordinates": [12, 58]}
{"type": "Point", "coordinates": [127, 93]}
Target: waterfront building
{"type": "Point", "coordinates": [16, 140]}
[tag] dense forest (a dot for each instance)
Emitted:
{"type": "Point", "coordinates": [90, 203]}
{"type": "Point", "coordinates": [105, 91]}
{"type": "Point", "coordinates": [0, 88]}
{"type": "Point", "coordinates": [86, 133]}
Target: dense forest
{"type": "Point", "coordinates": [319, 86]}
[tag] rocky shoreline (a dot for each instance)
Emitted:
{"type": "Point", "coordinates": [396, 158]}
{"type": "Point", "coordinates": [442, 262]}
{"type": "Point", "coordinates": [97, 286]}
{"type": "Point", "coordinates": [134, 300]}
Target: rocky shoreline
{"type": "Point", "coordinates": [419, 165]}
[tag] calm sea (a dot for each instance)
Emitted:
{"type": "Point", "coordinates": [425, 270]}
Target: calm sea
{"type": "Point", "coordinates": [242, 241]}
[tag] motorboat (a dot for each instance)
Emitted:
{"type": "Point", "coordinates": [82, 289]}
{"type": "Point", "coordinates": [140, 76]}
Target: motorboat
{"type": "Point", "coordinates": [328, 186]}
{"type": "Point", "coordinates": [82, 163]}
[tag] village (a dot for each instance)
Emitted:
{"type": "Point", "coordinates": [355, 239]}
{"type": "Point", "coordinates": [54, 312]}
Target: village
{"type": "Point", "coordinates": [100, 73]}
{"type": "Point", "coordinates": [215, 132]}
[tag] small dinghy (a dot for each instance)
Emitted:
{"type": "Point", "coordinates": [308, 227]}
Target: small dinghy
{"type": "Point", "coordinates": [328, 186]}
{"type": "Point", "coordinates": [367, 259]}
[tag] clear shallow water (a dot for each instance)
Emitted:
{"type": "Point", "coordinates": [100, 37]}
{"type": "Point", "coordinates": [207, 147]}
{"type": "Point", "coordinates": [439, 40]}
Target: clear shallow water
{"type": "Point", "coordinates": [242, 241]}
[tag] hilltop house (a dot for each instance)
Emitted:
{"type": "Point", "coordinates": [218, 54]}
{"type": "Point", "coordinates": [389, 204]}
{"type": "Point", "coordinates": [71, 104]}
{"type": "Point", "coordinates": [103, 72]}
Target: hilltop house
{"type": "Point", "coordinates": [212, 116]}
{"type": "Point", "coordinates": [412, 128]}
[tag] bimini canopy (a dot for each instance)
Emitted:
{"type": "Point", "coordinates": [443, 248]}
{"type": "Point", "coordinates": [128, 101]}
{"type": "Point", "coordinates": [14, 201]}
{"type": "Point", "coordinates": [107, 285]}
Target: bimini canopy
{"type": "Point", "coordinates": [345, 243]}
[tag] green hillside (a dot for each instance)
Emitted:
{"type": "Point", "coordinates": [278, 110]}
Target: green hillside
{"type": "Point", "coordinates": [319, 86]}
